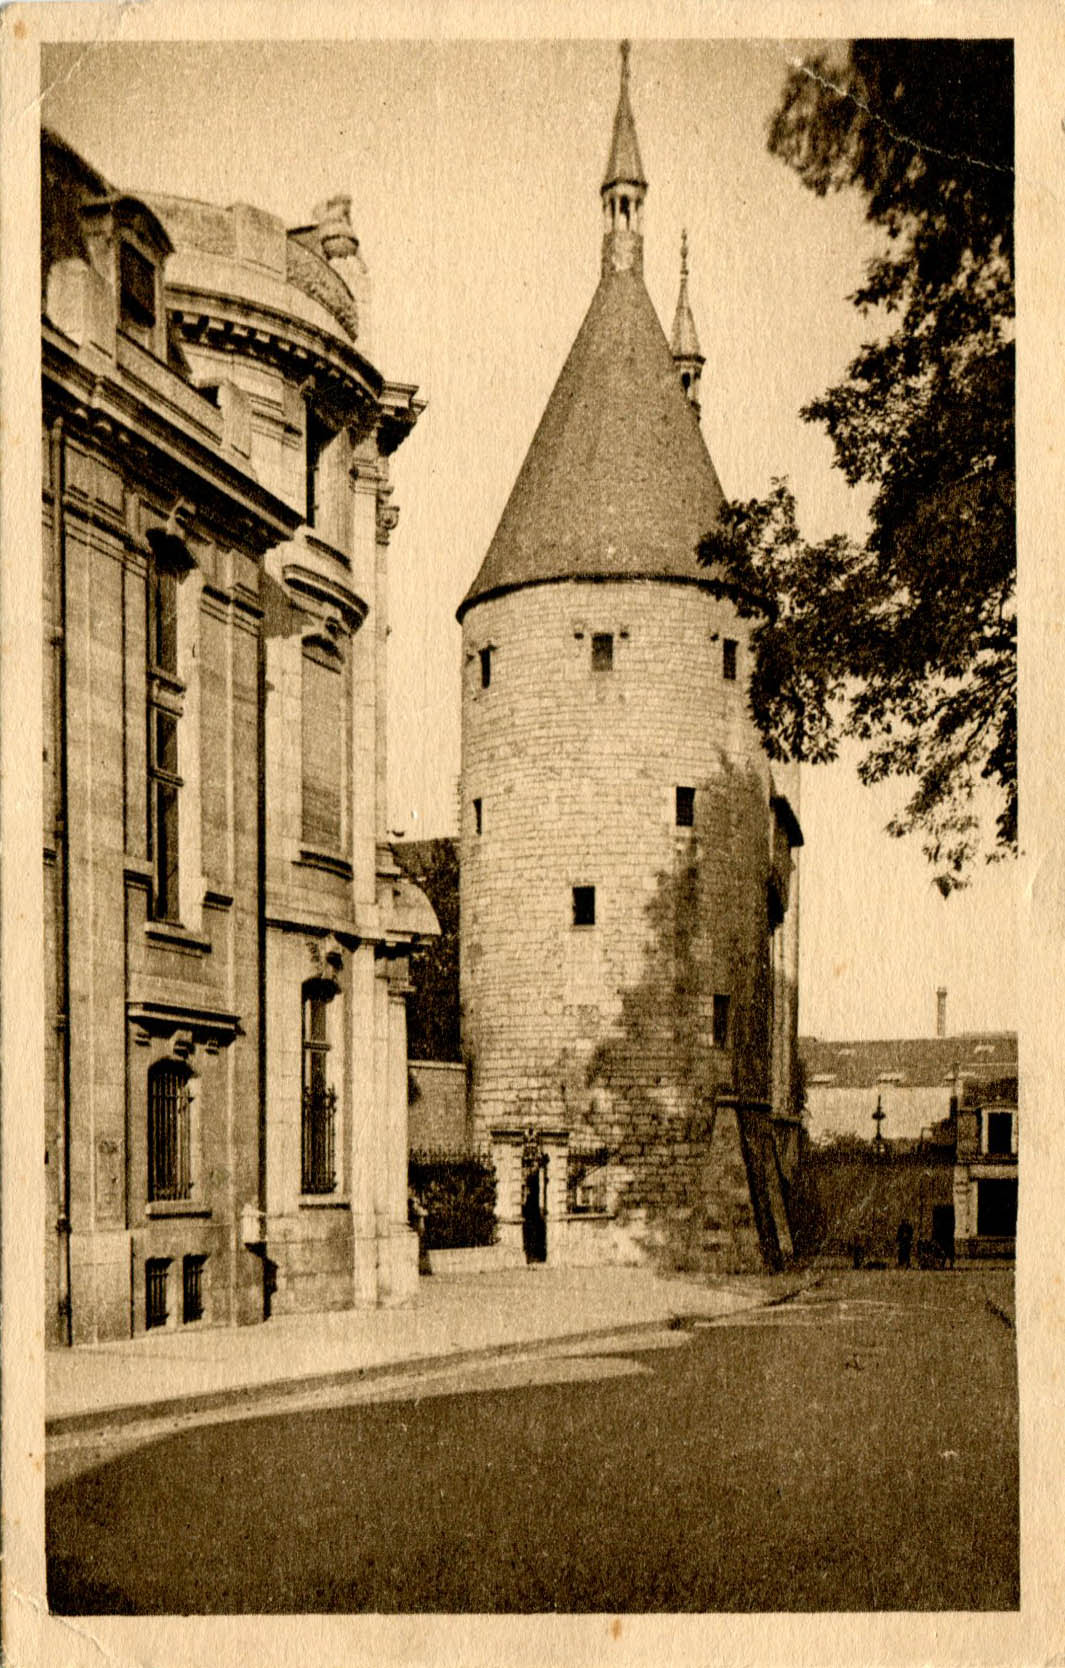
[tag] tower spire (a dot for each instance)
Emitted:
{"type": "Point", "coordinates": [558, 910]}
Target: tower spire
{"type": "Point", "coordinates": [624, 186]}
{"type": "Point", "coordinates": [684, 339]}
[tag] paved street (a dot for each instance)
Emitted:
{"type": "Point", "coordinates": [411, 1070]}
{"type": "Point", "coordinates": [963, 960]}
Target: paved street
{"type": "Point", "coordinates": [855, 1448]}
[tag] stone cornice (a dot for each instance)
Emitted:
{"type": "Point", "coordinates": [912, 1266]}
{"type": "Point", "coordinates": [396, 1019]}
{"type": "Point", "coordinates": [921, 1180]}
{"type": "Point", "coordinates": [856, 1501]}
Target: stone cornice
{"type": "Point", "coordinates": [341, 377]}
{"type": "Point", "coordinates": [100, 407]}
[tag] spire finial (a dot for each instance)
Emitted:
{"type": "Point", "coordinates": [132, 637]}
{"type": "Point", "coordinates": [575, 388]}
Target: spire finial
{"type": "Point", "coordinates": [624, 187]}
{"type": "Point", "coordinates": [684, 341]}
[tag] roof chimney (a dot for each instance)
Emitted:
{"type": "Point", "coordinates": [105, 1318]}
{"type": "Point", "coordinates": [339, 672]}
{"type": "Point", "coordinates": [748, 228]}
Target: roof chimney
{"type": "Point", "coordinates": [941, 1011]}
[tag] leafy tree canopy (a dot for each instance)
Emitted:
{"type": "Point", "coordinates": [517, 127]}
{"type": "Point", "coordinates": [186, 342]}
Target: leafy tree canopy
{"type": "Point", "coordinates": [907, 642]}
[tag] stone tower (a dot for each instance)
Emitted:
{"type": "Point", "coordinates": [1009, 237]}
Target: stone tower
{"type": "Point", "coordinates": [628, 953]}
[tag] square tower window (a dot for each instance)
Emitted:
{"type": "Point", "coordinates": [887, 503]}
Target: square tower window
{"type": "Point", "coordinates": [584, 906]}
{"type": "Point", "coordinates": [722, 1004]}
{"type": "Point", "coordinates": [685, 807]}
{"type": "Point", "coordinates": [602, 651]}
{"type": "Point", "coordinates": [728, 659]}
{"type": "Point", "coordinates": [478, 817]}
{"type": "Point", "coordinates": [486, 667]}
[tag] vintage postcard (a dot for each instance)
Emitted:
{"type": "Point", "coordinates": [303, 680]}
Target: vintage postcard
{"type": "Point", "coordinates": [533, 890]}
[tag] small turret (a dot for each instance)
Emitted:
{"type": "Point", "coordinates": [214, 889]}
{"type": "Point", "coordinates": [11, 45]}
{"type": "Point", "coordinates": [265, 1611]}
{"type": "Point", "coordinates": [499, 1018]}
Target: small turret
{"type": "Point", "coordinates": [624, 187]}
{"type": "Point", "coordinates": [684, 340]}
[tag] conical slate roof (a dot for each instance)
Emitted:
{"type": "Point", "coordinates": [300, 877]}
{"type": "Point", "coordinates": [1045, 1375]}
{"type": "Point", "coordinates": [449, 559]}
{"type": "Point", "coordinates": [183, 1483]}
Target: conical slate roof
{"type": "Point", "coordinates": [618, 482]}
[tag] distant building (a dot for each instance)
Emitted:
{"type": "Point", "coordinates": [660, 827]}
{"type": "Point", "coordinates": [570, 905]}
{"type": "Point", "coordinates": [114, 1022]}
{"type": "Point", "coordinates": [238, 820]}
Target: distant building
{"type": "Point", "coordinates": [913, 1080]}
{"type": "Point", "coordinates": [985, 1170]}
{"type": "Point", "coordinates": [628, 858]}
{"type": "Point", "coordinates": [228, 934]}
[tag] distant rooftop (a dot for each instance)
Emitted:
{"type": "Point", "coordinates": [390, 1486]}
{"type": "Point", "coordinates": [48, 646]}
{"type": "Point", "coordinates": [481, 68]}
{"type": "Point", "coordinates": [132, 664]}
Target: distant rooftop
{"type": "Point", "coordinates": [913, 1062]}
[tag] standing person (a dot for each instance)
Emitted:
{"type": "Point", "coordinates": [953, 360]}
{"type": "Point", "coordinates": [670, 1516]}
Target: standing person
{"type": "Point", "coordinates": [904, 1239]}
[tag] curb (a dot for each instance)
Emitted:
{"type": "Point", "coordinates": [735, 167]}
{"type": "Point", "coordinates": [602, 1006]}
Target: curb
{"type": "Point", "coordinates": [248, 1396]}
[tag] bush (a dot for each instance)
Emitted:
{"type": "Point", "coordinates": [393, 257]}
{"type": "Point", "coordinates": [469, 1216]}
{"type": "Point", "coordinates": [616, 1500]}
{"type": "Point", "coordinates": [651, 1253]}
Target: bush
{"type": "Point", "coordinates": [458, 1195]}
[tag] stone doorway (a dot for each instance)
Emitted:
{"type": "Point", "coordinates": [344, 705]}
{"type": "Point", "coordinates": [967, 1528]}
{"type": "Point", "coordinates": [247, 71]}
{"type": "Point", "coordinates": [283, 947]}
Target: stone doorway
{"type": "Point", "coordinates": [534, 1170]}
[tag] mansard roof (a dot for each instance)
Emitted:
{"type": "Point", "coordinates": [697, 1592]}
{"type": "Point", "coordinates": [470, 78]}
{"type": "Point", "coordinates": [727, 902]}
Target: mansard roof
{"type": "Point", "coordinates": [618, 483]}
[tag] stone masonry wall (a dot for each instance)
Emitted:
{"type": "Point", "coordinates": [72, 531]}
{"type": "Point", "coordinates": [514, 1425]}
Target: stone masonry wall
{"type": "Point", "coordinates": [609, 1030]}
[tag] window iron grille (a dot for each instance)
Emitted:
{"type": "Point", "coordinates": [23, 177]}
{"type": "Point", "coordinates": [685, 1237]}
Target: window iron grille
{"type": "Point", "coordinates": [192, 1288]}
{"type": "Point", "coordinates": [318, 1170]}
{"type": "Point", "coordinates": [156, 1270]}
{"type": "Point", "coordinates": [169, 1166]}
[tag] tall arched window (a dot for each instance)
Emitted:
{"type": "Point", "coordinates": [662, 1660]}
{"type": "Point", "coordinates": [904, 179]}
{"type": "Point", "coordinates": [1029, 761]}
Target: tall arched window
{"type": "Point", "coordinates": [318, 1161]}
{"type": "Point", "coordinates": [324, 739]}
{"type": "Point", "coordinates": [169, 1132]}
{"type": "Point", "coordinates": [165, 706]}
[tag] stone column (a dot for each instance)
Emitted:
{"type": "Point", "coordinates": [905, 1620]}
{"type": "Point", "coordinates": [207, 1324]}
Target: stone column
{"type": "Point", "coordinates": [397, 1243]}
{"type": "Point", "coordinates": [556, 1150]}
{"type": "Point", "coordinates": [507, 1147]}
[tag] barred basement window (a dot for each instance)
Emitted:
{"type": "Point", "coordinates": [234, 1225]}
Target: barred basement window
{"type": "Point", "coordinates": [722, 1005]}
{"type": "Point", "coordinates": [169, 1133]}
{"type": "Point", "coordinates": [324, 733]}
{"type": "Point", "coordinates": [318, 1146]}
{"type": "Point", "coordinates": [728, 659]}
{"type": "Point", "coordinates": [584, 906]}
{"type": "Point", "coordinates": [685, 807]}
{"type": "Point", "coordinates": [192, 1288]}
{"type": "Point", "coordinates": [602, 651]}
{"type": "Point", "coordinates": [156, 1270]}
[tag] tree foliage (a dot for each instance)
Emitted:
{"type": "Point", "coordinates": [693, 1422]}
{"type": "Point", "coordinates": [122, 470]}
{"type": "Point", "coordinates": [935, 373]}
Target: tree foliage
{"type": "Point", "coordinates": [908, 641]}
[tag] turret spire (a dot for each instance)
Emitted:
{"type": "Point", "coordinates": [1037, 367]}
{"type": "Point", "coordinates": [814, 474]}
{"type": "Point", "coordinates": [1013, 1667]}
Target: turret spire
{"type": "Point", "coordinates": [684, 339]}
{"type": "Point", "coordinates": [624, 187]}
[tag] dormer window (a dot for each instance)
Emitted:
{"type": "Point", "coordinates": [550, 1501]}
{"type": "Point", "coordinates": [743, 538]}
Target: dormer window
{"type": "Point", "coordinates": [136, 292]}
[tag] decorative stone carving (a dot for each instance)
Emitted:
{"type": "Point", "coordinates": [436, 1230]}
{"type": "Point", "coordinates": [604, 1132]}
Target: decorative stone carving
{"type": "Point", "coordinates": [387, 515]}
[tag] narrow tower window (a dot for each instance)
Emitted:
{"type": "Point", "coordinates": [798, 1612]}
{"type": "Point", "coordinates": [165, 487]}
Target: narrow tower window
{"type": "Point", "coordinates": [478, 820]}
{"type": "Point", "coordinates": [584, 906]}
{"type": "Point", "coordinates": [603, 651]}
{"type": "Point", "coordinates": [728, 659]}
{"type": "Point", "coordinates": [685, 807]}
{"type": "Point", "coordinates": [721, 1018]}
{"type": "Point", "coordinates": [486, 668]}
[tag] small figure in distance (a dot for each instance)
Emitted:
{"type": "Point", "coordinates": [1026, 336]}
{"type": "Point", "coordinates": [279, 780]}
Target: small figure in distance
{"type": "Point", "coordinates": [904, 1240]}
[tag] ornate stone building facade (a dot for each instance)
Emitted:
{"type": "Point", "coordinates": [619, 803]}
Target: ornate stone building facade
{"type": "Point", "coordinates": [628, 871]}
{"type": "Point", "coordinates": [228, 931]}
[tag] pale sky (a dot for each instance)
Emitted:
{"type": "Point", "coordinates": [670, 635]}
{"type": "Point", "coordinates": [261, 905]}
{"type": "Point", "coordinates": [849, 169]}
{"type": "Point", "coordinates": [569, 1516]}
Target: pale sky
{"type": "Point", "coordinates": [474, 171]}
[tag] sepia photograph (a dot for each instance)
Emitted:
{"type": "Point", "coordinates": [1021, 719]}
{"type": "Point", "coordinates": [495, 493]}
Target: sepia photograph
{"type": "Point", "coordinates": [529, 941]}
